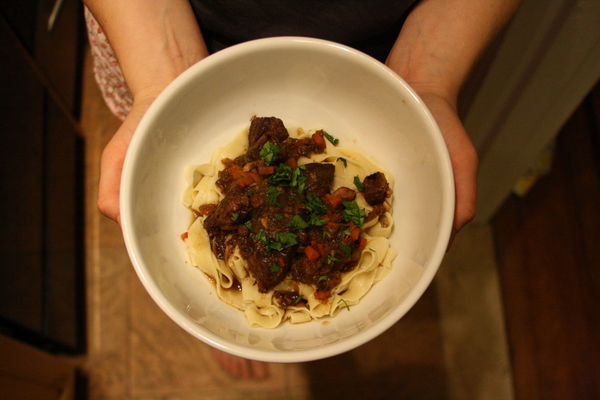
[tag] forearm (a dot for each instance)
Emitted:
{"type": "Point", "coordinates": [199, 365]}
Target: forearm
{"type": "Point", "coordinates": [442, 39]}
{"type": "Point", "coordinates": [154, 40]}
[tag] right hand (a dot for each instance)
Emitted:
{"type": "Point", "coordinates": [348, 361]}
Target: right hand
{"type": "Point", "coordinates": [113, 157]}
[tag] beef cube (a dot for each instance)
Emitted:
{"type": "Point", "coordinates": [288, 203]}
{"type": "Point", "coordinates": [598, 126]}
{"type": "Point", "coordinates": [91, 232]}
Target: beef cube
{"type": "Point", "coordinates": [319, 178]}
{"type": "Point", "coordinates": [232, 210]}
{"type": "Point", "coordinates": [375, 188]}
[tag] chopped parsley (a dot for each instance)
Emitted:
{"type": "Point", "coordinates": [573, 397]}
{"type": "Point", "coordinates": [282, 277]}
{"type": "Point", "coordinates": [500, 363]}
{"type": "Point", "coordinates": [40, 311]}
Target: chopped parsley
{"type": "Point", "coordinates": [343, 160]}
{"type": "Point", "coordinates": [284, 240]}
{"type": "Point", "coordinates": [272, 194]}
{"type": "Point", "coordinates": [353, 213]}
{"type": "Point", "coordinates": [346, 304]}
{"type": "Point", "coordinates": [316, 221]}
{"type": "Point", "coordinates": [298, 223]}
{"type": "Point", "coordinates": [298, 179]}
{"type": "Point", "coordinates": [235, 216]}
{"type": "Point", "coordinates": [269, 152]}
{"type": "Point", "coordinates": [331, 139]}
{"type": "Point", "coordinates": [287, 239]}
{"type": "Point", "coordinates": [274, 268]}
{"type": "Point", "coordinates": [347, 249]}
{"type": "Point", "coordinates": [279, 217]}
{"type": "Point", "coordinates": [248, 225]}
{"type": "Point", "coordinates": [262, 236]}
{"type": "Point", "coordinates": [358, 184]}
{"type": "Point", "coordinates": [282, 175]}
{"type": "Point", "coordinates": [331, 259]}
{"type": "Point", "coordinates": [315, 204]}
{"type": "Point", "coordinates": [287, 176]}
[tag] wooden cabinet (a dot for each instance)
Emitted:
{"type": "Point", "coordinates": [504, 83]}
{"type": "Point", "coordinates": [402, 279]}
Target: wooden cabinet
{"type": "Point", "coordinates": [41, 235]}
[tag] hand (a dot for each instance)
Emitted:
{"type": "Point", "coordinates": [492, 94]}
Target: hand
{"type": "Point", "coordinates": [113, 157]}
{"type": "Point", "coordinates": [463, 156]}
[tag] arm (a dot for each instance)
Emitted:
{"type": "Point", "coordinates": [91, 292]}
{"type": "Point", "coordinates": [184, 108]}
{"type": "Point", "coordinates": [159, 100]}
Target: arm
{"type": "Point", "coordinates": [435, 52]}
{"type": "Point", "coordinates": [154, 41]}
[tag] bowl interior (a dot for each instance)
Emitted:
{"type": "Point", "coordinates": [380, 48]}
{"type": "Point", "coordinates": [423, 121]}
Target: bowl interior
{"type": "Point", "coordinates": [311, 84]}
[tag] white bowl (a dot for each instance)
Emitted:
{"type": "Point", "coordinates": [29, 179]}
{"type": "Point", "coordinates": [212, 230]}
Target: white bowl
{"type": "Point", "coordinates": [311, 84]}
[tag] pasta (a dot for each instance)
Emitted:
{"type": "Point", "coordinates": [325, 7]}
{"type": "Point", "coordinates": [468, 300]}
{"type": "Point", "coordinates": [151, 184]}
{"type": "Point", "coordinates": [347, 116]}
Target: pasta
{"type": "Point", "coordinates": [278, 258]}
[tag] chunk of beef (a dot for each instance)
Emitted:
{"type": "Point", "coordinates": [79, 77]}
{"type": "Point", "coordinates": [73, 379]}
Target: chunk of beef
{"type": "Point", "coordinates": [268, 268]}
{"type": "Point", "coordinates": [233, 209]}
{"type": "Point", "coordinates": [345, 193]}
{"type": "Point", "coordinates": [375, 188]}
{"type": "Point", "coordinates": [269, 128]}
{"type": "Point", "coordinates": [296, 148]}
{"type": "Point", "coordinates": [261, 131]}
{"type": "Point", "coordinates": [319, 178]}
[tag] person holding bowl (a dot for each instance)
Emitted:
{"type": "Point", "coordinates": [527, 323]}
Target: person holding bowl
{"type": "Point", "coordinates": [140, 46]}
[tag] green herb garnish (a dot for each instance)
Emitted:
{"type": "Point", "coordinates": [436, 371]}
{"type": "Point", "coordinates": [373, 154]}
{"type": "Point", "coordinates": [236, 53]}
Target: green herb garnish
{"type": "Point", "coordinates": [331, 139]}
{"type": "Point", "coordinates": [346, 304]}
{"type": "Point", "coordinates": [287, 239]}
{"type": "Point", "coordinates": [315, 204]}
{"type": "Point", "coordinates": [298, 223]}
{"type": "Point", "coordinates": [353, 213]}
{"type": "Point", "coordinates": [269, 152]}
{"type": "Point", "coordinates": [298, 179]}
{"type": "Point", "coordinates": [298, 299]}
{"type": "Point", "coordinates": [285, 175]}
{"type": "Point", "coordinates": [235, 216]}
{"type": "Point", "coordinates": [262, 236]}
{"type": "Point", "coordinates": [331, 259]}
{"type": "Point", "coordinates": [316, 221]}
{"type": "Point", "coordinates": [343, 160]}
{"type": "Point", "coordinates": [272, 194]}
{"type": "Point", "coordinates": [279, 217]}
{"type": "Point", "coordinates": [274, 268]}
{"type": "Point", "coordinates": [347, 249]}
{"type": "Point", "coordinates": [358, 184]}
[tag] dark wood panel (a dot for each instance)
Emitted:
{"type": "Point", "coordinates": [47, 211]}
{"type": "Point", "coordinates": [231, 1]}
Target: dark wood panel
{"type": "Point", "coordinates": [21, 182]}
{"type": "Point", "coordinates": [549, 260]}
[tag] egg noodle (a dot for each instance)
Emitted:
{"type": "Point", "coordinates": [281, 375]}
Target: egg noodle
{"type": "Point", "coordinates": [236, 286]}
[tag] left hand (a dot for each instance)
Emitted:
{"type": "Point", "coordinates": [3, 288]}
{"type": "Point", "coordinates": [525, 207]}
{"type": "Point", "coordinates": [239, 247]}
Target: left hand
{"type": "Point", "coordinates": [464, 158]}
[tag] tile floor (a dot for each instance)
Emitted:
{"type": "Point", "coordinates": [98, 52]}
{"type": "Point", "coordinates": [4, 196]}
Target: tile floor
{"type": "Point", "coordinates": [451, 345]}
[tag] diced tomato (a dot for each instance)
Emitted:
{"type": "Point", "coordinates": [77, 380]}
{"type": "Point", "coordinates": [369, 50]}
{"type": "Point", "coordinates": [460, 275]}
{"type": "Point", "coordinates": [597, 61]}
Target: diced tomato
{"type": "Point", "coordinates": [320, 248]}
{"type": "Point", "coordinates": [207, 209]}
{"type": "Point", "coordinates": [266, 170]}
{"type": "Point", "coordinates": [334, 282]}
{"type": "Point", "coordinates": [235, 171]}
{"type": "Point", "coordinates": [292, 162]}
{"type": "Point", "coordinates": [362, 243]}
{"type": "Point", "coordinates": [319, 139]}
{"type": "Point", "coordinates": [247, 179]}
{"type": "Point", "coordinates": [311, 253]}
{"type": "Point", "coordinates": [184, 235]}
{"type": "Point", "coordinates": [355, 233]}
{"type": "Point", "coordinates": [322, 295]}
{"type": "Point", "coordinates": [332, 201]}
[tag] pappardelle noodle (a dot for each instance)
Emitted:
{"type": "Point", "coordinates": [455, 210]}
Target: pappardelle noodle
{"type": "Point", "coordinates": [288, 225]}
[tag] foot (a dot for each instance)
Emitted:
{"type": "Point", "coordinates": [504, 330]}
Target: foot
{"type": "Point", "coordinates": [241, 368]}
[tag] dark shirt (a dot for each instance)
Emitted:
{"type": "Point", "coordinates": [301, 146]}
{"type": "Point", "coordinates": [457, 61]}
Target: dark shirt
{"type": "Point", "coordinates": [370, 26]}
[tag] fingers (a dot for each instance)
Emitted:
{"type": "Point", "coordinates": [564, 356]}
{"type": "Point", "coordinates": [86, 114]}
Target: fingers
{"type": "Point", "coordinates": [111, 164]}
{"type": "Point", "coordinates": [463, 156]}
{"type": "Point", "coordinates": [241, 368]}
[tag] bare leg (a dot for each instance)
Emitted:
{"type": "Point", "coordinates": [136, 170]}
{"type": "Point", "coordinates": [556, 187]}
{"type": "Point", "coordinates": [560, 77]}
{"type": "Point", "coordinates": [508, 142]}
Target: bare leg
{"type": "Point", "coordinates": [240, 367]}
